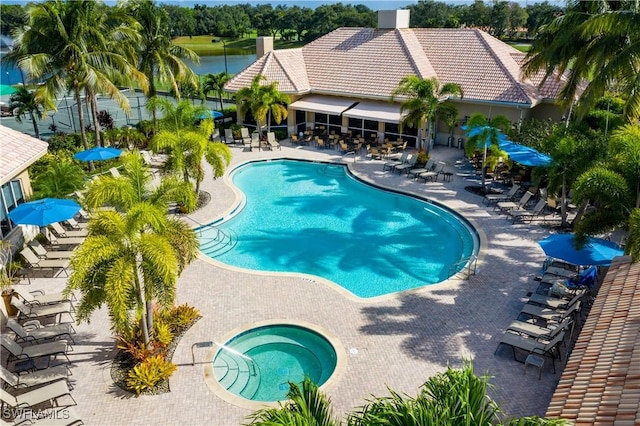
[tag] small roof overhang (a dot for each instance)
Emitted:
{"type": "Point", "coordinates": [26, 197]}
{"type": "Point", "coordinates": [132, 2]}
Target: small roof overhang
{"type": "Point", "coordinates": [377, 111]}
{"type": "Point", "coordinates": [323, 104]}
{"type": "Point", "coordinates": [19, 151]}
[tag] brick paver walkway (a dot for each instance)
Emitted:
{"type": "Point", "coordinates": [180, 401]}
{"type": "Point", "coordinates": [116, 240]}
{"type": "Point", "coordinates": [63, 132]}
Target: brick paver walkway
{"type": "Point", "coordinates": [397, 341]}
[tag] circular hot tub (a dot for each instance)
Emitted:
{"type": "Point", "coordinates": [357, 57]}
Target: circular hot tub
{"type": "Point", "coordinates": [259, 363]}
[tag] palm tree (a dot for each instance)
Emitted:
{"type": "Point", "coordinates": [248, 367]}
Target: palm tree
{"type": "Point", "coordinates": [262, 100]}
{"type": "Point", "coordinates": [215, 83]}
{"type": "Point", "coordinates": [24, 102]}
{"type": "Point", "coordinates": [485, 134]}
{"type": "Point", "coordinates": [135, 252]}
{"type": "Point", "coordinates": [306, 406]}
{"type": "Point", "coordinates": [594, 42]}
{"type": "Point", "coordinates": [58, 180]}
{"type": "Point", "coordinates": [159, 58]}
{"type": "Point", "coordinates": [187, 144]}
{"type": "Point", "coordinates": [448, 113]}
{"type": "Point", "coordinates": [65, 45]}
{"type": "Point", "coordinates": [422, 97]}
{"type": "Point", "coordinates": [612, 188]}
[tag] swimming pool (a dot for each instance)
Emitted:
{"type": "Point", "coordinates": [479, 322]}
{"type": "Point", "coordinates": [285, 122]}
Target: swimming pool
{"type": "Point", "coordinates": [317, 219]}
{"type": "Point", "coordinates": [258, 364]}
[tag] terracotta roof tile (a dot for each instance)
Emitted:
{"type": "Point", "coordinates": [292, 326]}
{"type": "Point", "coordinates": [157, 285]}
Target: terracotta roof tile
{"type": "Point", "coordinates": [18, 151]}
{"type": "Point", "coordinates": [369, 63]}
{"type": "Point", "coordinates": [601, 382]}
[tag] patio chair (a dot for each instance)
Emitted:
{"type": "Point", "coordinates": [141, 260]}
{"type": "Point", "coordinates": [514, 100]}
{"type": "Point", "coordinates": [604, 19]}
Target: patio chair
{"type": "Point", "coordinates": [255, 141]}
{"type": "Point", "coordinates": [33, 352]}
{"type": "Point", "coordinates": [152, 162]}
{"type": "Point", "coordinates": [389, 165]}
{"type": "Point", "coordinates": [34, 332]}
{"type": "Point", "coordinates": [431, 175]}
{"type": "Point", "coordinates": [51, 392]}
{"type": "Point", "coordinates": [271, 140]}
{"type": "Point", "coordinates": [228, 137]}
{"type": "Point", "coordinates": [43, 253]}
{"type": "Point", "coordinates": [528, 214]}
{"type": "Point", "coordinates": [39, 298]}
{"type": "Point", "coordinates": [60, 265]}
{"type": "Point", "coordinates": [35, 378]}
{"type": "Point", "coordinates": [75, 225]}
{"type": "Point", "coordinates": [61, 232]}
{"type": "Point", "coordinates": [426, 168]}
{"type": "Point", "coordinates": [508, 196]}
{"type": "Point", "coordinates": [506, 206]}
{"type": "Point", "coordinates": [556, 302]}
{"type": "Point", "coordinates": [36, 312]}
{"type": "Point", "coordinates": [244, 136]}
{"type": "Point", "coordinates": [115, 172]}
{"type": "Point", "coordinates": [411, 162]}
{"type": "Point", "coordinates": [549, 314]}
{"type": "Point", "coordinates": [61, 241]}
{"type": "Point", "coordinates": [538, 332]}
{"type": "Point", "coordinates": [533, 346]}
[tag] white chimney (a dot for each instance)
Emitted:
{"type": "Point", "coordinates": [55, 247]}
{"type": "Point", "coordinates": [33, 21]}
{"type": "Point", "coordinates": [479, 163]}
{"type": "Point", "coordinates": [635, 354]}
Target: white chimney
{"type": "Point", "coordinates": [264, 45]}
{"type": "Point", "coordinates": [393, 18]}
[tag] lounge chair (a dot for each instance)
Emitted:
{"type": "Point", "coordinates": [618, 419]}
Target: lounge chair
{"type": "Point", "coordinates": [431, 175]}
{"type": "Point", "coordinates": [39, 298]}
{"type": "Point", "coordinates": [60, 241]}
{"type": "Point", "coordinates": [506, 206]}
{"type": "Point", "coordinates": [59, 265]}
{"type": "Point", "coordinates": [228, 137]}
{"type": "Point", "coordinates": [556, 302]}
{"type": "Point", "coordinates": [74, 224]}
{"type": "Point", "coordinates": [389, 165]}
{"type": "Point", "coordinates": [35, 378]}
{"type": "Point", "coordinates": [255, 141]}
{"type": "Point", "coordinates": [528, 214]}
{"type": "Point", "coordinates": [549, 314]}
{"type": "Point", "coordinates": [151, 161]}
{"type": "Point", "coordinates": [426, 168]}
{"type": "Point", "coordinates": [61, 232]}
{"type": "Point", "coordinates": [271, 140]}
{"type": "Point", "coordinates": [509, 196]}
{"type": "Point", "coordinates": [51, 392]}
{"type": "Point", "coordinates": [244, 136]}
{"type": "Point", "coordinates": [536, 331]}
{"type": "Point", "coordinates": [533, 346]}
{"type": "Point", "coordinates": [32, 352]}
{"type": "Point", "coordinates": [43, 253]}
{"type": "Point", "coordinates": [115, 172]}
{"type": "Point", "coordinates": [36, 312]}
{"type": "Point", "coordinates": [406, 166]}
{"type": "Point", "coordinates": [33, 331]}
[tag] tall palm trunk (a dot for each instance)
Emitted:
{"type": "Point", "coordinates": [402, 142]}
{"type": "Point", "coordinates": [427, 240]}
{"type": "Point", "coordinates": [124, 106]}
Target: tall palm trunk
{"type": "Point", "coordinates": [563, 201]}
{"type": "Point", "coordinates": [35, 124]}
{"type": "Point", "coordinates": [83, 132]}
{"type": "Point", "coordinates": [91, 99]}
{"type": "Point", "coordinates": [144, 320]}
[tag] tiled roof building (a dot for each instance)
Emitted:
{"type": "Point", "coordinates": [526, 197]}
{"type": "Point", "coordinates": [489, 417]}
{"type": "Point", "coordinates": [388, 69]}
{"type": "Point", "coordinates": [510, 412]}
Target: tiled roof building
{"type": "Point", "coordinates": [601, 382]}
{"type": "Point", "coordinates": [368, 64]}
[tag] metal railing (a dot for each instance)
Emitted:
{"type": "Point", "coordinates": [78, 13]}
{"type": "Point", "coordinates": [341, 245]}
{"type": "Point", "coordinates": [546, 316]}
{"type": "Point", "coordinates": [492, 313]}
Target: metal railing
{"type": "Point", "coordinates": [470, 265]}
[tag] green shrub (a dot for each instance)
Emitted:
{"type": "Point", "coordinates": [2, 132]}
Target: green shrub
{"type": "Point", "coordinates": [423, 157]}
{"type": "Point", "coordinates": [71, 141]}
{"type": "Point", "coordinates": [280, 134]}
{"type": "Point", "coordinates": [146, 375]}
{"type": "Point", "coordinates": [163, 334]}
{"type": "Point", "coordinates": [177, 317]}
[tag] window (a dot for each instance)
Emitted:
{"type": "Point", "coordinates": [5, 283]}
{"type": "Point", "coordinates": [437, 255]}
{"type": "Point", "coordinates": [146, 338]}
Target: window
{"type": "Point", "coordinates": [11, 195]}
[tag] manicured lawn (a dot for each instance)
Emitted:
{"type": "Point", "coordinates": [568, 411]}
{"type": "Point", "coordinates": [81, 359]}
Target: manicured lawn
{"type": "Point", "coordinates": [203, 45]}
{"type": "Point", "coordinates": [523, 47]}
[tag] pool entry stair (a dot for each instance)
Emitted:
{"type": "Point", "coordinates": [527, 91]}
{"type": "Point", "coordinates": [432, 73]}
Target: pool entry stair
{"type": "Point", "coordinates": [215, 241]}
{"type": "Point", "coordinates": [237, 374]}
{"type": "Point", "coordinates": [333, 171]}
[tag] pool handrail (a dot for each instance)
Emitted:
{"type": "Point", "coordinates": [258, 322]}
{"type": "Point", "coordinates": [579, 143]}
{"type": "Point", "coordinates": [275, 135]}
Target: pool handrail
{"type": "Point", "coordinates": [251, 362]}
{"type": "Point", "coordinates": [470, 263]}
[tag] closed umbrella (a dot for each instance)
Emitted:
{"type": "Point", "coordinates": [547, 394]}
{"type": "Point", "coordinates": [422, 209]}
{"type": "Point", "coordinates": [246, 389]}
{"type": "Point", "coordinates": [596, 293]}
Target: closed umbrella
{"type": "Point", "coordinates": [44, 212]}
{"type": "Point", "coordinates": [595, 252]}
{"type": "Point", "coordinates": [98, 154]}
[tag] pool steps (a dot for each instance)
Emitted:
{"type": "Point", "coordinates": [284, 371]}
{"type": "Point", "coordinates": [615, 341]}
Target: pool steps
{"type": "Point", "coordinates": [234, 372]}
{"type": "Point", "coordinates": [215, 241]}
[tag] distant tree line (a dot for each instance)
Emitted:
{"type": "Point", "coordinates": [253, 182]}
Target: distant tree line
{"type": "Point", "coordinates": [500, 18]}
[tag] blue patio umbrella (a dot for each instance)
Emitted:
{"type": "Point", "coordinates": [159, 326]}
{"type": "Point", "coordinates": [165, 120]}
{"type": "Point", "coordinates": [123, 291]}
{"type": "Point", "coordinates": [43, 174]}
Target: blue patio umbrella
{"type": "Point", "coordinates": [98, 154]}
{"type": "Point", "coordinates": [210, 114]}
{"type": "Point", "coordinates": [531, 159]}
{"type": "Point", "coordinates": [44, 212]}
{"type": "Point", "coordinates": [595, 252]}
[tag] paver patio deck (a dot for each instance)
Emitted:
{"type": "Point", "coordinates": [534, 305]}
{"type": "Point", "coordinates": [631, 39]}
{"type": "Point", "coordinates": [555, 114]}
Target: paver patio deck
{"type": "Point", "coordinates": [399, 340]}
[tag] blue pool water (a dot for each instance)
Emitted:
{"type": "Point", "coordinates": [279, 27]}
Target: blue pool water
{"type": "Point", "coordinates": [315, 218]}
{"type": "Point", "coordinates": [259, 364]}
